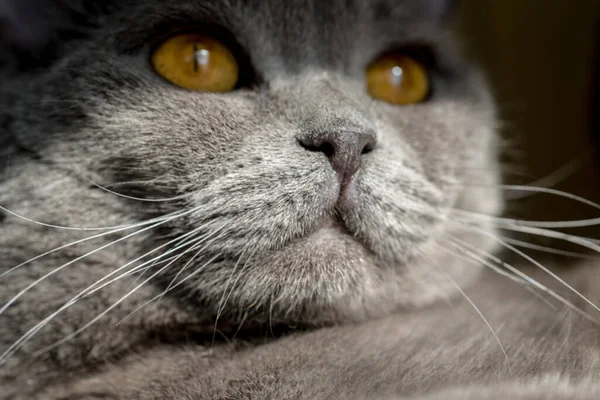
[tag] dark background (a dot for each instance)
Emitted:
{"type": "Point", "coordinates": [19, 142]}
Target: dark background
{"type": "Point", "coordinates": [540, 56]}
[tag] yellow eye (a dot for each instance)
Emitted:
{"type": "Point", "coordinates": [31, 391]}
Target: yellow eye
{"type": "Point", "coordinates": [196, 62]}
{"type": "Point", "coordinates": [397, 79]}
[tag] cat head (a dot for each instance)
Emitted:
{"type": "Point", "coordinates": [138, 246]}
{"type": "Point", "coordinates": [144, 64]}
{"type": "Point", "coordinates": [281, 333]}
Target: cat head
{"type": "Point", "coordinates": [327, 179]}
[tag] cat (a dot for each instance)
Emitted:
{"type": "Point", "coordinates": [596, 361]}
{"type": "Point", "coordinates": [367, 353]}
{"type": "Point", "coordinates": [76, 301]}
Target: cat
{"type": "Point", "coordinates": [307, 207]}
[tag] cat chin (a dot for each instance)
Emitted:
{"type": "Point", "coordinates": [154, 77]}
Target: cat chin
{"type": "Point", "coordinates": [328, 277]}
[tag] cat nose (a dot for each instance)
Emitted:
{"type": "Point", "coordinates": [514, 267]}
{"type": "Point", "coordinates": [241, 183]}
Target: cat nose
{"type": "Point", "coordinates": [344, 149]}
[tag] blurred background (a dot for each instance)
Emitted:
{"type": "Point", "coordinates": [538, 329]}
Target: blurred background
{"type": "Point", "coordinates": [540, 57]}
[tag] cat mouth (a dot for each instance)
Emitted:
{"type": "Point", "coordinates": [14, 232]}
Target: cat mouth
{"type": "Point", "coordinates": [335, 222]}
{"type": "Point", "coordinates": [334, 225]}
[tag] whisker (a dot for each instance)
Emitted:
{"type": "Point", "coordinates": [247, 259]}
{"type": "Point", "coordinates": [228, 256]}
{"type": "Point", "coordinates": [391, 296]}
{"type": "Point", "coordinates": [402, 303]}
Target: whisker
{"type": "Point", "coordinates": [478, 311]}
{"type": "Point", "coordinates": [158, 297]}
{"type": "Point", "coordinates": [56, 270]}
{"type": "Point", "coordinates": [176, 246]}
{"type": "Point", "coordinates": [522, 226]}
{"type": "Point", "coordinates": [553, 178]}
{"type": "Point", "coordinates": [546, 249]}
{"type": "Point", "coordinates": [196, 272]}
{"type": "Point", "coordinates": [98, 317]}
{"type": "Point", "coordinates": [223, 298]}
{"type": "Point", "coordinates": [537, 264]}
{"type": "Point", "coordinates": [221, 307]}
{"type": "Point", "coordinates": [171, 287]}
{"type": "Point", "coordinates": [469, 256]}
{"type": "Point", "coordinates": [537, 190]}
{"type": "Point", "coordinates": [534, 224]}
{"type": "Point", "coordinates": [71, 228]}
{"type": "Point", "coordinates": [40, 325]}
{"type": "Point", "coordinates": [239, 329]}
{"type": "Point", "coordinates": [225, 293]}
{"type": "Point", "coordinates": [528, 283]}
{"type": "Point", "coordinates": [592, 244]}
{"type": "Point", "coordinates": [484, 319]}
{"type": "Point", "coordinates": [524, 276]}
{"type": "Point", "coordinates": [142, 269]}
{"type": "Point", "coordinates": [155, 260]}
{"type": "Point", "coordinates": [472, 258]}
{"type": "Point", "coordinates": [134, 182]}
{"type": "Point", "coordinates": [126, 228]}
{"type": "Point", "coordinates": [193, 258]}
{"type": "Point", "coordinates": [149, 200]}
{"type": "Point", "coordinates": [271, 305]}
{"type": "Point", "coordinates": [538, 286]}
{"type": "Point", "coordinates": [87, 292]}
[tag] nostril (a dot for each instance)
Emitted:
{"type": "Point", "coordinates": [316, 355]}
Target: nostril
{"type": "Point", "coordinates": [343, 149]}
{"type": "Point", "coordinates": [326, 148]}
{"type": "Point", "coordinates": [368, 148]}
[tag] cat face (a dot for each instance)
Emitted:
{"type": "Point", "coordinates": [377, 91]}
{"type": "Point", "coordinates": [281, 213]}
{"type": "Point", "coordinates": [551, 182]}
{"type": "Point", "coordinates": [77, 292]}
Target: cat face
{"type": "Point", "coordinates": [297, 194]}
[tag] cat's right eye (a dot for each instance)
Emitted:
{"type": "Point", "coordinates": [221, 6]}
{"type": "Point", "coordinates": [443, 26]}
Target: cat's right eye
{"type": "Point", "coordinates": [196, 62]}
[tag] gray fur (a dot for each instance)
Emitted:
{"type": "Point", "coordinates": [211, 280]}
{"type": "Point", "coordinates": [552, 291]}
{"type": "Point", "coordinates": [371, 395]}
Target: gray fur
{"type": "Point", "coordinates": [287, 245]}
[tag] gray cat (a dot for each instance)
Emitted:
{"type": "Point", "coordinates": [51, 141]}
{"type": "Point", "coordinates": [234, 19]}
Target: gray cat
{"type": "Point", "coordinates": [265, 199]}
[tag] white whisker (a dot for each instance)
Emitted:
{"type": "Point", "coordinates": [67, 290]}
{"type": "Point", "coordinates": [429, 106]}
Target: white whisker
{"type": "Point", "coordinates": [478, 311]}
{"type": "Point", "coordinates": [546, 249]}
{"type": "Point", "coordinates": [98, 317]}
{"type": "Point", "coordinates": [553, 178]}
{"type": "Point", "coordinates": [56, 270]}
{"type": "Point", "coordinates": [148, 200]}
{"type": "Point", "coordinates": [222, 303]}
{"type": "Point", "coordinates": [536, 190]}
{"type": "Point", "coordinates": [537, 264]}
{"type": "Point", "coordinates": [91, 290]}
{"type": "Point", "coordinates": [555, 192]}
{"type": "Point", "coordinates": [533, 224]}
{"type": "Point", "coordinates": [176, 246]}
{"type": "Point", "coordinates": [126, 228]}
{"type": "Point", "coordinates": [79, 229]}
{"type": "Point", "coordinates": [592, 244]}
{"type": "Point", "coordinates": [528, 283]}
{"type": "Point", "coordinates": [172, 286]}
{"type": "Point", "coordinates": [205, 246]}
{"type": "Point", "coordinates": [469, 256]}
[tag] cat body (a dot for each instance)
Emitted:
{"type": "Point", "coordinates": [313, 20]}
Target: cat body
{"type": "Point", "coordinates": [292, 238]}
{"type": "Point", "coordinates": [531, 351]}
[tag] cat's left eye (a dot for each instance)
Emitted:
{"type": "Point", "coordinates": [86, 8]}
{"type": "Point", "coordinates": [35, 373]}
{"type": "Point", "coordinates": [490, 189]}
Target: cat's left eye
{"type": "Point", "coordinates": [196, 62]}
{"type": "Point", "coordinates": [398, 78]}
